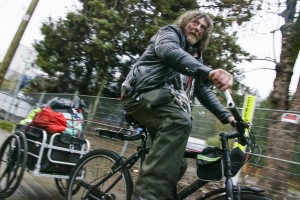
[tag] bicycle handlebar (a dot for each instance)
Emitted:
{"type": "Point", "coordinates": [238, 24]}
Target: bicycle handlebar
{"type": "Point", "coordinates": [240, 124]}
{"type": "Point", "coordinates": [231, 106]}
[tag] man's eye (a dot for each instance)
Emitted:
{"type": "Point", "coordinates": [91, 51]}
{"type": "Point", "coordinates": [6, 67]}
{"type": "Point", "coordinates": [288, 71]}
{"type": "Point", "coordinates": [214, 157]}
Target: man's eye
{"type": "Point", "coordinates": [196, 23]}
{"type": "Point", "coordinates": [203, 27]}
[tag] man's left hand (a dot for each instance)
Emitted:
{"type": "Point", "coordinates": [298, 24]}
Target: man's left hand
{"type": "Point", "coordinates": [231, 120]}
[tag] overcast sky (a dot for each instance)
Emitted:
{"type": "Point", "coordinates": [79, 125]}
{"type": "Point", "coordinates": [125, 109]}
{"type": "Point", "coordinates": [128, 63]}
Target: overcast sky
{"type": "Point", "coordinates": [261, 45]}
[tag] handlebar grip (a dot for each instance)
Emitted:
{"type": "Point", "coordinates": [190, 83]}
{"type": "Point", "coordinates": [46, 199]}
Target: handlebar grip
{"type": "Point", "coordinates": [231, 106]}
{"type": "Point", "coordinates": [228, 98]}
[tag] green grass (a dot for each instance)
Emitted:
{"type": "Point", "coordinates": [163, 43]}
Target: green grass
{"type": "Point", "coordinates": [7, 125]}
{"type": "Point", "coordinates": [215, 141]}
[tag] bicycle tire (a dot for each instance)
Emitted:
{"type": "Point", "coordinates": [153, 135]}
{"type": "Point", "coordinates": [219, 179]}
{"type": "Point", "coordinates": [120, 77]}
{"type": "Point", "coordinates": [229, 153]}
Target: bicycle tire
{"type": "Point", "coordinates": [61, 185]}
{"type": "Point", "coordinates": [244, 196]}
{"type": "Point", "coordinates": [93, 167]}
{"type": "Point", "coordinates": [13, 154]}
{"type": "Point", "coordinates": [24, 155]}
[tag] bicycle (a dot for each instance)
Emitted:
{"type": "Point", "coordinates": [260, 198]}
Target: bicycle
{"type": "Point", "coordinates": [107, 174]}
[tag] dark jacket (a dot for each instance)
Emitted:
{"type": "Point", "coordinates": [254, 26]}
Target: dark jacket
{"type": "Point", "coordinates": [167, 57]}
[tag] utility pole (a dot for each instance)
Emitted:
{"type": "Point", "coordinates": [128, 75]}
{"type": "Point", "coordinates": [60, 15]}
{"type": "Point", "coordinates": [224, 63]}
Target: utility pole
{"type": "Point", "coordinates": [16, 40]}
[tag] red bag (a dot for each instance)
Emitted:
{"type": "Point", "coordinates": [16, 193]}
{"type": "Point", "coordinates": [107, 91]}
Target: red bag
{"type": "Point", "coordinates": [51, 121]}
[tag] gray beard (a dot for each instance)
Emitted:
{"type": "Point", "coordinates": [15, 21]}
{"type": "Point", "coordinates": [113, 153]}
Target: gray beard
{"type": "Point", "coordinates": [191, 40]}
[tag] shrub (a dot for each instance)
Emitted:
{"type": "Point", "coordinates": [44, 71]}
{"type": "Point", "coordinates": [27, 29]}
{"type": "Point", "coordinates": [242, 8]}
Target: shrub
{"type": "Point", "coordinates": [7, 125]}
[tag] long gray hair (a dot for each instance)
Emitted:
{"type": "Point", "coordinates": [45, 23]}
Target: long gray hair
{"type": "Point", "coordinates": [186, 17]}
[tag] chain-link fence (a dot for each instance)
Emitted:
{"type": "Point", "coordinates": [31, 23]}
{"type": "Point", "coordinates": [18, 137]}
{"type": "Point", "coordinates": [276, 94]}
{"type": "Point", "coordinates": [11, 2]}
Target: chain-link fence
{"type": "Point", "coordinates": [107, 113]}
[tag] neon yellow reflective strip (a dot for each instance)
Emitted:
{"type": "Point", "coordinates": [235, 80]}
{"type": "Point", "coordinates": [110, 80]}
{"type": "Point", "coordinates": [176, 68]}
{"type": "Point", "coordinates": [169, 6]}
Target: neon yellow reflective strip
{"type": "Point", "coordinates": [201, 157]}
{"type": "Point", "coordinates": [247, 115]}
{"type": "Point", "coordinates": [248, 108]}
{"type": "Point", "coordinates": [243, 148]}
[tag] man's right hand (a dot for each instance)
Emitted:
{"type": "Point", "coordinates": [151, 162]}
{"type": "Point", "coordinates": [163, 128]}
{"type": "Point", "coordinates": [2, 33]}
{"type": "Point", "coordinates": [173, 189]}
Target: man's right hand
{"type": "Point", "coordinates": [221, 79]}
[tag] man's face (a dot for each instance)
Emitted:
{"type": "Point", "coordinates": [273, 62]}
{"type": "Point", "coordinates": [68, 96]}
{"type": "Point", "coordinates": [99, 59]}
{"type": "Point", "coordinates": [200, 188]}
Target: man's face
{"type": "Point", "coordinates": [195, 30]}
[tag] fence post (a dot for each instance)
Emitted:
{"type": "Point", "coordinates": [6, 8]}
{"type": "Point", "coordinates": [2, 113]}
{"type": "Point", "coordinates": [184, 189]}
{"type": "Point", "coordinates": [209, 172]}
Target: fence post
{"type": "Point", "coordinates": [41, 99]}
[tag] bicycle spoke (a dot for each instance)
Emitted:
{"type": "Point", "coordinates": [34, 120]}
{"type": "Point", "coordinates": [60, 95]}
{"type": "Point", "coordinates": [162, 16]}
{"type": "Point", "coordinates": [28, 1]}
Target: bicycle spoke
{"type": "Point", "coordinates": [12, 158]}
{"type": "Point", "coordinates": [99, 181]}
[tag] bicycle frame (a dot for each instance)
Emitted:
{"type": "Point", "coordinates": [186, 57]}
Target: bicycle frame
{"type": "Point", "coordinates": [142, 150]}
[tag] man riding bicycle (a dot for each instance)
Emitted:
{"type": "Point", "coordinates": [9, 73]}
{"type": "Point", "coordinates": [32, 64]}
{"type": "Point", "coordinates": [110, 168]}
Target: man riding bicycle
{"type": "Point", "coordinates": [157, 93]}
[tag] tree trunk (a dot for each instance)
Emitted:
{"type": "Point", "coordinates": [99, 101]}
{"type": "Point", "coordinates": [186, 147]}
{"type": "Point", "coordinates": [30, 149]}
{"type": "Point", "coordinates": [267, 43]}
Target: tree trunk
{"type": "Point", "coordinates": [296, 100]}
{"type": "Point", "coordinates": [281, 143]}
{"type": "Point", "coordinates": [102, 79]}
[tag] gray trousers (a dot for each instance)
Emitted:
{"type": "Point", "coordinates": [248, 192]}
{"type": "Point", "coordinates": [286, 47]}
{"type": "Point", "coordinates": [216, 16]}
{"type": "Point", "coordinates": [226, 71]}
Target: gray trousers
{"type": "Point", "coordinates": [170, 125]}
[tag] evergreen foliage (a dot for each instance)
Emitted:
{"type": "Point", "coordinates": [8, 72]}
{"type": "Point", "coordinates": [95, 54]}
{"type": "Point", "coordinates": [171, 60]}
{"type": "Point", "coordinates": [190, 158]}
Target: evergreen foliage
{"type": "Point", "coordinates": [92, 50]}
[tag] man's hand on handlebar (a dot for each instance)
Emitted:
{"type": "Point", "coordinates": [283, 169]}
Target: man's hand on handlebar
{"type": "Point", "coordinates": [231, 120]}
{"type": "Point", "coordinates": [221, 79]}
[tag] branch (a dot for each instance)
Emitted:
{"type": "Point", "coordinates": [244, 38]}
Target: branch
{"type": "Point", "coordinates": [259, 69]}
{"type": "Point", "coordinates": [262, 68]}
{"type": "Point", "coordinates": [266, 59]}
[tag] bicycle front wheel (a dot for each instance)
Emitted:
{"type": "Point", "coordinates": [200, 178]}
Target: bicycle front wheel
{"type": "Point", "coordinates": [95, 173]}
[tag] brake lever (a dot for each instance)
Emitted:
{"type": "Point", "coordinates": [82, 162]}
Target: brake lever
{"type": "Point", "coordinates": [240, 127]}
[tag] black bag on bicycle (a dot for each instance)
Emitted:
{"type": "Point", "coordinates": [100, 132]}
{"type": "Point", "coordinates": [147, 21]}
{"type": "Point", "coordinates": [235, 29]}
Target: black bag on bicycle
{"type": "Point", "coordinates": [210, 164]}
{"type": "Point", "coordinates": [238, 159]}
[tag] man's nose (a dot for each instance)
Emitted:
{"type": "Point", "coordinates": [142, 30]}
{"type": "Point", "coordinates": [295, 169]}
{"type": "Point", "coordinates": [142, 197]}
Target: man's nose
{"type": "Point", "coordinates": [200, 28]}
